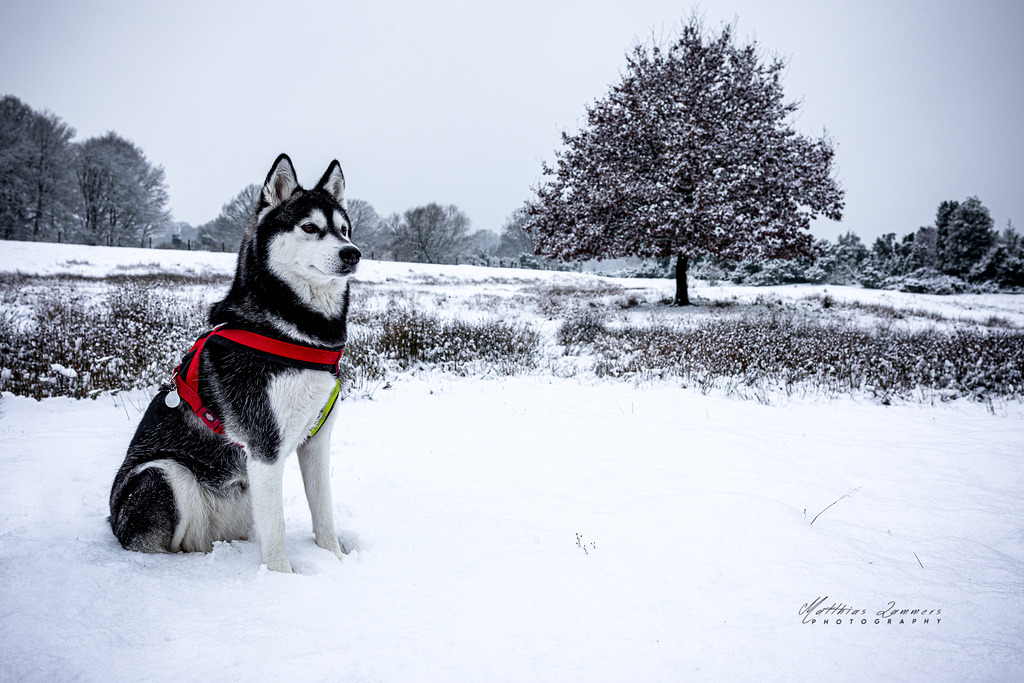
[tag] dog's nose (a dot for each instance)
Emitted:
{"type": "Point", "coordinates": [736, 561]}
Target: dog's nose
{"type": "Point", "coordinates": [350, 255]}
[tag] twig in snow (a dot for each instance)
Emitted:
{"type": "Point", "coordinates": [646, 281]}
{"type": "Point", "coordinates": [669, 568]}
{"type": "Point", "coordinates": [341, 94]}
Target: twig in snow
{"type": "Point", "coordinates": [918, 560]}
{"type": "Point", "coordinates": [582, 544]}
{"type": "Point", "coordinates": [836, 501]}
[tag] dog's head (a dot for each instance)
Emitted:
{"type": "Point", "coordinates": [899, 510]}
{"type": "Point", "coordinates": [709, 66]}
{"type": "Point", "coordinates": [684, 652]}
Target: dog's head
{"type": "Point", "coordinates": [305, 233]}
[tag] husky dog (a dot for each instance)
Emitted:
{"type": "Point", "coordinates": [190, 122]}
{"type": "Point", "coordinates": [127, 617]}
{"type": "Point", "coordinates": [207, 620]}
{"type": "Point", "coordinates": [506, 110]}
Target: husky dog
{"type": "Point", "coordinates": [195, 474]}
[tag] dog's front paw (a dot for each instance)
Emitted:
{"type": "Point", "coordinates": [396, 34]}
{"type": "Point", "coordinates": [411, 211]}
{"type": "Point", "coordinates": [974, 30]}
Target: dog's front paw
{"type": "Point", "coordinates": [331, 543]}
{"type": "Point", "coordinates": [280, 564]}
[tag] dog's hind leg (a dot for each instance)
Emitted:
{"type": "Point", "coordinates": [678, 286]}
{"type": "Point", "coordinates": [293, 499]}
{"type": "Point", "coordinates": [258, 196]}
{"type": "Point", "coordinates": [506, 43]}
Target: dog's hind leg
{"type": "Point", "coordinates": [315, 463]}
{"type": "Point", "coordinates": [143, 513]}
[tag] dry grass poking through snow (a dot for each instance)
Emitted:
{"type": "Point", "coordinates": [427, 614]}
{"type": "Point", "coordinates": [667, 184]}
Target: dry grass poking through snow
{"type": "Point", "coordinates": [79, 337]}
{"type": "Point", "coordinates": [405, 339]}
{"type": "Point", "coordinates": [789, 350]}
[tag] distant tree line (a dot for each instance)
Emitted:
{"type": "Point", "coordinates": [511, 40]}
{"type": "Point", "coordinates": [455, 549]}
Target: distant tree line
{"type": "Point", "coordinates": [440, 234]}
{"type": "Point", "coordinates": [433, 233]}
{"type": "Point", "coordinates": [99, 191]}
{"type": "Point", "coordinates": [961, 251]}
{"type": "Point", "coordinates": [103, 190]}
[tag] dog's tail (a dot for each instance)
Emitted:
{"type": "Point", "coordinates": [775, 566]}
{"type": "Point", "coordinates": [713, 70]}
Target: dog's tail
{"type": "Point", "coordinates": [143, 514]}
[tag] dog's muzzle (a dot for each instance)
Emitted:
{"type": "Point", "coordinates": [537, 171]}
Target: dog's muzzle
{"type": "Point", "coordinates": [349, 258]}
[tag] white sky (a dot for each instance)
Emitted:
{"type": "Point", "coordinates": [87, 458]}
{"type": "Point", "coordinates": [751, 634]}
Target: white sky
{"type": "Point", "coordinates": [459, 102]}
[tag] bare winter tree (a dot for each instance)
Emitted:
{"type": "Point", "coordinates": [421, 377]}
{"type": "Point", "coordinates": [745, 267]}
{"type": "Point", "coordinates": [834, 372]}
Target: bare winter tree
{"type": "Point", "coordinates": [53, 185]}
{"type": "Point", "coordinates": [484, 242]}
{"type": "Point", "coordinates": [431, 234]}
{"type": "Point", "coordinates": [368, 230]}
{"type": "Point", "coordinates": [388, 234]}
{"type": "Point", "coordinates": [124, 197]}
{"type": "Point", "coordinates": [15, 117]}
{"type": "Point", "coordinates": [691, 153]}
{"type": "Point", "coordinates": [225, 231]}
{"type": "Point", "coordinates": [37, 193]}
{"type": "Point", "coordinates": [239, 210]}
{"type": "Point", "coordinates": [515, 240]}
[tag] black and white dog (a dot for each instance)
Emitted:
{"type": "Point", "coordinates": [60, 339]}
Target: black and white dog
{"type": "Point", "coordinates": [207, 459]}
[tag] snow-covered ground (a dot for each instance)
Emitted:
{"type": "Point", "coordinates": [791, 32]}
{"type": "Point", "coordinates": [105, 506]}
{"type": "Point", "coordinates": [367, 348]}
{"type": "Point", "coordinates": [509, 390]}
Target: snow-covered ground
{"type": "Point", "coordinates": [32, 258]}
{"type": "Point", "coordinates": [539, 528]}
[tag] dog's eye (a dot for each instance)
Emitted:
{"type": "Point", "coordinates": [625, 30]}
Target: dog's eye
{"type": "Point", "coordinates": [310, 228]}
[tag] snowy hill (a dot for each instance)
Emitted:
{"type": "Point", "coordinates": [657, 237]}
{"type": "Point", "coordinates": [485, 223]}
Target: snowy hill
{"type": "Point", "coordinates": [539, 528]}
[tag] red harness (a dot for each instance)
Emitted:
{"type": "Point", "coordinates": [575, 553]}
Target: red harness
{"type": "Point", "coordinates": [273, 349]}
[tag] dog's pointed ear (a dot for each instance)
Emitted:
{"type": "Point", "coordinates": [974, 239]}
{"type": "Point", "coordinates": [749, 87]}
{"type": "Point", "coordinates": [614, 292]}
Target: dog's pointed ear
{"type": "Point", "coordinates": [280, 184]}
{"type": "Point", "coordinates": [333, 183]}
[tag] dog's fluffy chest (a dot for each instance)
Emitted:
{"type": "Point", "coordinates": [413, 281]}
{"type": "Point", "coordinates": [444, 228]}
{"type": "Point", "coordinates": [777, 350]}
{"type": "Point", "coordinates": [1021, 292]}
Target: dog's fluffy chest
{"type": "Point", "coordinates": [297, 397]}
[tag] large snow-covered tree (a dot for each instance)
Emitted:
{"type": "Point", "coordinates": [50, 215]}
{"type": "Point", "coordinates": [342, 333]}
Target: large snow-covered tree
{"type": "Point", "coordinates": [693, 152]}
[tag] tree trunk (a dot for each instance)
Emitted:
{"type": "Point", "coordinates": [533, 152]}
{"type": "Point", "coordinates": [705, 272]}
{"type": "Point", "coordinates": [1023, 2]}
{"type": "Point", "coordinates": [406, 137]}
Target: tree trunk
{"type": "Point", "coordinates": [37, 221]}
{"type": "Point", "coordinates": [682, 293]}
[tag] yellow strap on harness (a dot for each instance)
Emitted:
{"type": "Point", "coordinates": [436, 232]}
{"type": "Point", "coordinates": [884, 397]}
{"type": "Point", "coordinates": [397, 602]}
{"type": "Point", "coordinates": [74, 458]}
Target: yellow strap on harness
{"type": "Point", "coordinates": [326, 409]}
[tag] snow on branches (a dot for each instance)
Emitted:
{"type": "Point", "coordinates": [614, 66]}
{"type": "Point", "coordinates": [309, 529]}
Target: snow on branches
{"type": "Point", "coordinates": [691, 153]}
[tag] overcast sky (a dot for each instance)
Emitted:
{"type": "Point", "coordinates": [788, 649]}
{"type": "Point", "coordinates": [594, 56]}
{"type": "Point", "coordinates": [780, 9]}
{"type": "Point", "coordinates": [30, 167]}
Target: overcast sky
{"type": "Point", "coordinates": [459, 102]}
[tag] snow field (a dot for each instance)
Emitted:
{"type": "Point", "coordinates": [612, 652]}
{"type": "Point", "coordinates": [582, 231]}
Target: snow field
{"type": "Point", "coordinates": [539, 528]}
{"type": "Point", "coordinates": [466, 503]}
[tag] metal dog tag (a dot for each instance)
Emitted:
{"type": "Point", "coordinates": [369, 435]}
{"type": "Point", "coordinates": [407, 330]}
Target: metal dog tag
{"type": "Point", "coordinates": [172, 399]}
